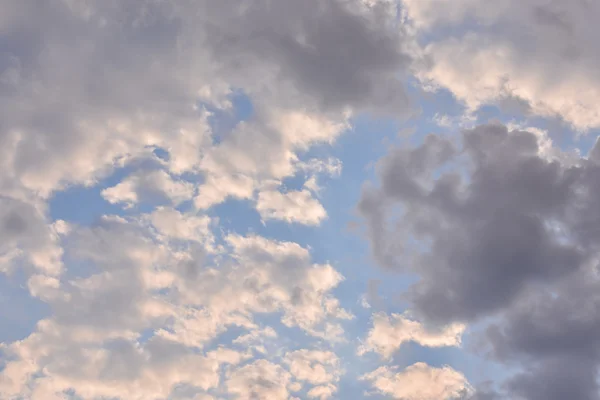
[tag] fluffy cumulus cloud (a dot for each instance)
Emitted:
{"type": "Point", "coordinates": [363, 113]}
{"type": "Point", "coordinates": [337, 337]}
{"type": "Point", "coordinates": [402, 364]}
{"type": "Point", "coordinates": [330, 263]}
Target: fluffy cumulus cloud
{"type": "Point", "coordinates": [155, 186]}
{"type": "Point", "coordinates": [259, 380]}
{"type": "Point", "coordinates": [419, 382]}
{"type": "Point", "coordinates": [294, 206]}
{"type": "Point", "coordinates": [389, 333]}
{"type": "Point", "coordinates": [496, 225]}
{"type": "Point", "coordinates": [537, 55]}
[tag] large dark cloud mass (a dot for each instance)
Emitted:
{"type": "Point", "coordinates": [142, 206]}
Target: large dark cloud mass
{"type": "Point", "coordinates": [500, 225]}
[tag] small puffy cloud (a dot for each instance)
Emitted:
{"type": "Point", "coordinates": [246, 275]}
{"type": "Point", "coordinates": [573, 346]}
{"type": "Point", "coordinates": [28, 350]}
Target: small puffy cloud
{"type": "Point", "coordinates": [259, 380]}
{"type": "Point", "coordinates": [171, 224]}
{"type": "Point", "coordinates": [293, 206]}
{"type": "Point", "coordinates": [330, 166]}
{"type": "Point", "coordinates": [419, 382]}
{"type": "Point", "coordinates": [154, 186]}
{"type": "Point", "coordinates": [314, 366]}
{"type": "Point", "coordinates": [263, 149]}
{"type": "Point", "coordinates": [322, 392]}
{"type": "Point", "coordinates": [389, 333]}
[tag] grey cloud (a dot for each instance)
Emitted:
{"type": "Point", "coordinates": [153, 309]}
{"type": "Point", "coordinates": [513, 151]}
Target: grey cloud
{"type": "Point", "coordinates": [112, 294]}
{"type": "Point", "coordinates": [487, 234]}
{"type": "Point", "coordinates": [553, 332]}
{"type": "Point", "coordinates": [26, 237]}
{"type": "Point", "coordinates": [336, 56]}
{"type": "Point", "coordinates": [594, 154]}
{"type": "Point", "coordinates": [557, 380]}
{"type": "Point", "coordinates": [501, 228]}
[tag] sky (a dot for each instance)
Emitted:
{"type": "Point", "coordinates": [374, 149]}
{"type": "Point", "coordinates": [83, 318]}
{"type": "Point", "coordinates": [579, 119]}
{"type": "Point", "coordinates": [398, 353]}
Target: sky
{"type": "Point", "coordinates": [299, 199]}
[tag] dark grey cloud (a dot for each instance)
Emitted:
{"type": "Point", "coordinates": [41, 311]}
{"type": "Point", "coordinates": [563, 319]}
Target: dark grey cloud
{"type": "Point", "coordinates": [333, 53]}
{"type": "Point", "coordinates": [552, 332]}
{"type": "Point", "coordinates": [487, 226]}
{"type": "Point", "coordinates": [555, 380]}
{"type": "Point", "coordinates": [497, 225]}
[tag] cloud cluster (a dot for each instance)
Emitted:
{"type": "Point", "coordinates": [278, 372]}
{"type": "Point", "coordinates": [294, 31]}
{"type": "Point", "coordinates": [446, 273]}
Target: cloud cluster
{"type": "Point", "coordinates": [90, 86]}
{"type": "Point", "coordinates": [497, 225]}
{"type": "Point", "coordinates": [137, 302]}
{"type": "Point", "coordinates": [143, 315]}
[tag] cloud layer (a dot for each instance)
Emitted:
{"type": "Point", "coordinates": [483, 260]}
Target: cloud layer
{"type": "Point", "coordinates": [198, 138]}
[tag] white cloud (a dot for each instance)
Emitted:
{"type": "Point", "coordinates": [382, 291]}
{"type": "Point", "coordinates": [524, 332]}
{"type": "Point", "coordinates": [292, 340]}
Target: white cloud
{"type": "Point", "coordinates": [419, 382]}
{"type": "Point", "coordinates": [269, 276]}
{"type": "Point", "coordinates": [150, 186]}
{"type": "Point", "coordinates": [259, 380]}
{"type": "Point", "coordinates": [171, 224]}
{"type": "Point", "coordinates": [322, 392]}
{"type": "Point", "coordinates": [258, 339]}
{"type": "Point", "coordinates": [26, 237]}
{"type": "Point", "coordinates": [144, 282]}
{"type": "Point", "coordinates": [331, 166]}
{"type": "Point", "coordinates": [292, 206]}
{"type": "Point", "coordinates": [314, 366]}
{"type": "Point", "coordinates": [261, 150]}
{"type": "Point", "coordinates": [535, 53]}
{"type": "Point", "coordinates": [390, 332]}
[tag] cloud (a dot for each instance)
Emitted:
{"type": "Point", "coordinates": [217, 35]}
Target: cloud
{"type": "Point", "coordinates": [419, 382]}
{"type": "Point", "coordinates": [91, 86]}
{"type": "Point", "coordinates": [502, 224]}
{"type": "Point", "coordinates": [262, 150]}
{"type": "Point", "coordinates": [258, 340]}
{"type": "Point", "coordinates": [261, 276]}
{"type": "Point", "coordinates": [172, 225]}
{"type": "Point", "coordinates": [120, 368]}
{"type": "Point", "coordinates": [322, 392]}
{"type": "Point", "coordinates": [153, 186]}
{"type": "Point", "coordinates": [27, 238]}
{"type": "Point", "coordinates": [538, 53]}
{"type": "Point", "coordinates": [150, 302]}
{"type": "Point", "coordinates": [259, 380]}
{"type": "Point", "coordinates": [389, 333]}
{"type": "Point", "coordinates": [314, 366]}
{"type": "Point", "coordinates": [292, 206]}
{"type": "Point", "coordinates": [87, 87]}
{"type": "Point", "coordinates": [552, 331]}
{"type": "Point", "coordinates": [500, 217]}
